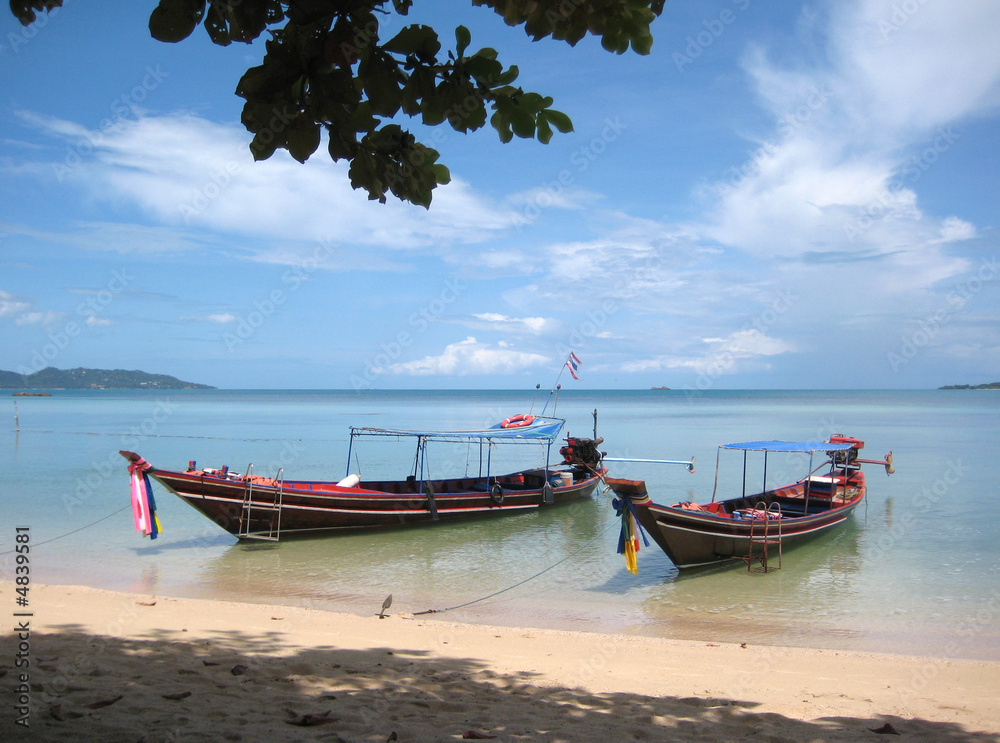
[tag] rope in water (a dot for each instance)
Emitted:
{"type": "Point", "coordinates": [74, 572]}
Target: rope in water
{"type": "Point", "coordinates": [521, 583]}
{"type": "Point", "coordinates": [47, 541]}
{"type": "Point", "coordinates": [579, 549]}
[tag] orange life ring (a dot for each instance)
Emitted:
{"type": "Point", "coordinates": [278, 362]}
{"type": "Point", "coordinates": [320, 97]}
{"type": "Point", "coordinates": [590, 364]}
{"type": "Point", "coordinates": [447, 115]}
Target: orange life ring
{"type": "Point", "coordinates": [518, 421]}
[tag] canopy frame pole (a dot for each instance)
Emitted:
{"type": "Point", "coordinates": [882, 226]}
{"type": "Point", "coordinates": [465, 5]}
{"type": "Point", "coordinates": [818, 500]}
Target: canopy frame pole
{"type": "Point", "coordinates": [744, 473]}
{"type": "Point", "coordinates": [715, 487]}
{"type": "Point", "coordinates": [350, 448]}
{"type": "Point", "coordinates": [805, 509]}
{"type": "Point", "coordinates": [421, 456]}
{"type": "Point", "coordinates": [489, 460]}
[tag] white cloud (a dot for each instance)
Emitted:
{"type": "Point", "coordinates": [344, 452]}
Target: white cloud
{"type": "Point", "coordinates": [855, 131]}
{"type": "Point", "coordinates": [497, 321]}
{"type": "Point", "coordinates": [192, 173]}
{"type": "Point", "coordinates": [24, 314]}
{"type": "Point", "coordinates": [45, 319]}
{"type": "Point", "coordinates": [722, 355]}
{"type": "Point", "coordinates": [220, 318]}
{"type": "Point", "coordinates": [11, 306]}
{"type": "Point", "coordinates": [469, 357]}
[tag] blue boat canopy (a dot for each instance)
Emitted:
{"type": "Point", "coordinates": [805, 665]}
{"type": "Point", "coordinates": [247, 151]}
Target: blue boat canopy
{"type": "Point", "coordinates": [540, 430]}
{"type": "Point", "coordinates": [807, 447]}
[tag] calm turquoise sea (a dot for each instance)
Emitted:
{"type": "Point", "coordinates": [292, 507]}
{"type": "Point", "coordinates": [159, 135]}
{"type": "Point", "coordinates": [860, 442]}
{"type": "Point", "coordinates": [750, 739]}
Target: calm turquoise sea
{"type": "Point", "coordinates": [917, 570]}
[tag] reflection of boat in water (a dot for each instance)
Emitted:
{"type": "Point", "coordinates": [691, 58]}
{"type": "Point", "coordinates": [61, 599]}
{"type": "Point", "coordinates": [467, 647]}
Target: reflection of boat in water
{"type": "Point", "coordinates": [254, 507]}
{"type": "Point", "coordinates": [422, 567]}
{"type": "Point", "coordinates": [749, 527]}
{"type": "Point", "coordinates": [819, 599]}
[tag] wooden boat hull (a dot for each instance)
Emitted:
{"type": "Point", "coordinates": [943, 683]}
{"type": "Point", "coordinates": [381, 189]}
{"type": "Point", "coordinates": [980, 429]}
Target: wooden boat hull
{"type": "Point", "coordinates": [694, 538]}
{"type": "Point", "coordinates": [308, 508]}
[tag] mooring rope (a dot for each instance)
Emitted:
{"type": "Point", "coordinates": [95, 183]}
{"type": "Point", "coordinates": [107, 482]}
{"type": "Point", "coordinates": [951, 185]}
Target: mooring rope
{"type": "Point", "coordinates": [522, 582]}
{"type": "Point", "coordinates": [94, 523]}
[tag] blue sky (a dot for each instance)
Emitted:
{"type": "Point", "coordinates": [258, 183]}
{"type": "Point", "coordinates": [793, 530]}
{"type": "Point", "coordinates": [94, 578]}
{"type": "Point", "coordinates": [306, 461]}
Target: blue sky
{"type": "Point", "coordinates": [781, 195]}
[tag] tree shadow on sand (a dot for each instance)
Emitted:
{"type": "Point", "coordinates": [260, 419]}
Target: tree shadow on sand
{"type": "Point", "coordinates": [241, 687]}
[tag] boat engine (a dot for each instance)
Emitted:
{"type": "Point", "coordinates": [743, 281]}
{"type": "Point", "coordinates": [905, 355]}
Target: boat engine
{"type": "Point", "coordinates": [847, 456]}
{"type": "Point", "coordinates": [582, 452]}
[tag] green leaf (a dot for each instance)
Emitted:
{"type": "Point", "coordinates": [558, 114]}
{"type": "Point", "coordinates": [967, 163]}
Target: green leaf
{"type": "Point", "coordinates": [544, 130]}
{"type": "Point", "coordinates": [441, 174]}
{"type": "Point", "coordinates": [303, 138]}
{"type": "Point", "coordinates": [174, 20]}
{"type": "Point", "coordinates": [502, 124]}
{"type": "Point", "coordinates": [642, 44]}
{"type": "Point", "coordinates": [509, 75]}
{"type": "Point", "coordinates": [434, 106]}
{"type": "Point", "coordinates": [381, 80]}
{"type": "Point", "coordinates": [215, 24]}
{"type": "Point", "coordinates": [522, 122]}
{"type": "Point", "coordinates": [486, 71]}
{"type": "Point", "coordinates": [339, 146]}
{"type": "Point", "coordinates": [486, 52]}
{"type": "Point", "coordinates": [464, 38]}
{"type": "Point", "coordinates": [263, 145]}
{"type": "Point", "coordinates": [419, 40]}
{"type": "Point", "coordinates": [559, 120]}
{"type": "Point", "coordinates": [24, 10]}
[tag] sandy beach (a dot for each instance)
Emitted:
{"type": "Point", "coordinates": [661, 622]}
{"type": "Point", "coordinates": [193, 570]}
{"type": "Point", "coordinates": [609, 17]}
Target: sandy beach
{"type": "Point", "coordinates": [106, 666]}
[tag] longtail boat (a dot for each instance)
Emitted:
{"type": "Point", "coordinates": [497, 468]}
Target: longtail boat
{"type": "Point", "coordinates": [750, 527]}
{"type": "Point", "coordinates": [250, 506]}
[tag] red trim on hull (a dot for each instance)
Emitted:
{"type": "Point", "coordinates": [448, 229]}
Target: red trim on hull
{"type": "Point", "coordinates": [338, 508]}
{"type": "Point", "coordinates": [694, 538]}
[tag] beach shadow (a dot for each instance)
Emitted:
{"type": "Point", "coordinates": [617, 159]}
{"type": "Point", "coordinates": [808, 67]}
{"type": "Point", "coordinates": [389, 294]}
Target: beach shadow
{"type": "Point", "coordinates": [236, 686]}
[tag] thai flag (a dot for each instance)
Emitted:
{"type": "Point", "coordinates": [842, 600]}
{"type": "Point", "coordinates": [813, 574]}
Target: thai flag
{"type": "Point", "coordinates": [573, 364]}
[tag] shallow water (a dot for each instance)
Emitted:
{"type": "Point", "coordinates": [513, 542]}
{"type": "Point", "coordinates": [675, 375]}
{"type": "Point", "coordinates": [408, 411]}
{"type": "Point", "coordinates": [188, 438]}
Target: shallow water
{"type": "Point", "coordinates": [917, 570]}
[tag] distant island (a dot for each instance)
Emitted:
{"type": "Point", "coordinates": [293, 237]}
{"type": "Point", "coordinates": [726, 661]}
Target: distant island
{"type": "Point", "coordinates": [51, 378]}
{"type": "Point", "coordinates": [990, 386]}
{"type": "Point", "coordinates": [659, 388]}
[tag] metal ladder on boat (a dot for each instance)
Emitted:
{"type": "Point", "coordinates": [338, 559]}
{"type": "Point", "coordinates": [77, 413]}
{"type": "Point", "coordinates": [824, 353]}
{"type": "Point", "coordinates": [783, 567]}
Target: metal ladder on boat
{"type": "Point", "coordinates": [765, 532]}
{"type": "Point", "coordinates": [272, 509]}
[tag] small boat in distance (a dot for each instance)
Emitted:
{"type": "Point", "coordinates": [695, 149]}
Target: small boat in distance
{"type": "Point", "coordinates": [253, 507]}
{"type": "Point", "coordinates": [748, 527]}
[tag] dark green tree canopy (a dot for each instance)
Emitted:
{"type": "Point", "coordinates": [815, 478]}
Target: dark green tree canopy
{"type": "Point", "coordinates": [327, 67]}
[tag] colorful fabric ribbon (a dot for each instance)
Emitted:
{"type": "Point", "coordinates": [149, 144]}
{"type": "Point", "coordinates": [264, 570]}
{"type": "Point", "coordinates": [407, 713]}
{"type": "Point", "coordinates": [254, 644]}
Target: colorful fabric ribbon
{"type": "Point", "coordinates": [143, 505]}
{"type": "Point", "coordinates": [628, 538]}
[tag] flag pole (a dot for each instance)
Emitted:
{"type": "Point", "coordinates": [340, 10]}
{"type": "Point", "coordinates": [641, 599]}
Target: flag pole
{"type": "Point", "coordinates": [538, 386]}
{"type": "Point", "coordinates": [556, 386]}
